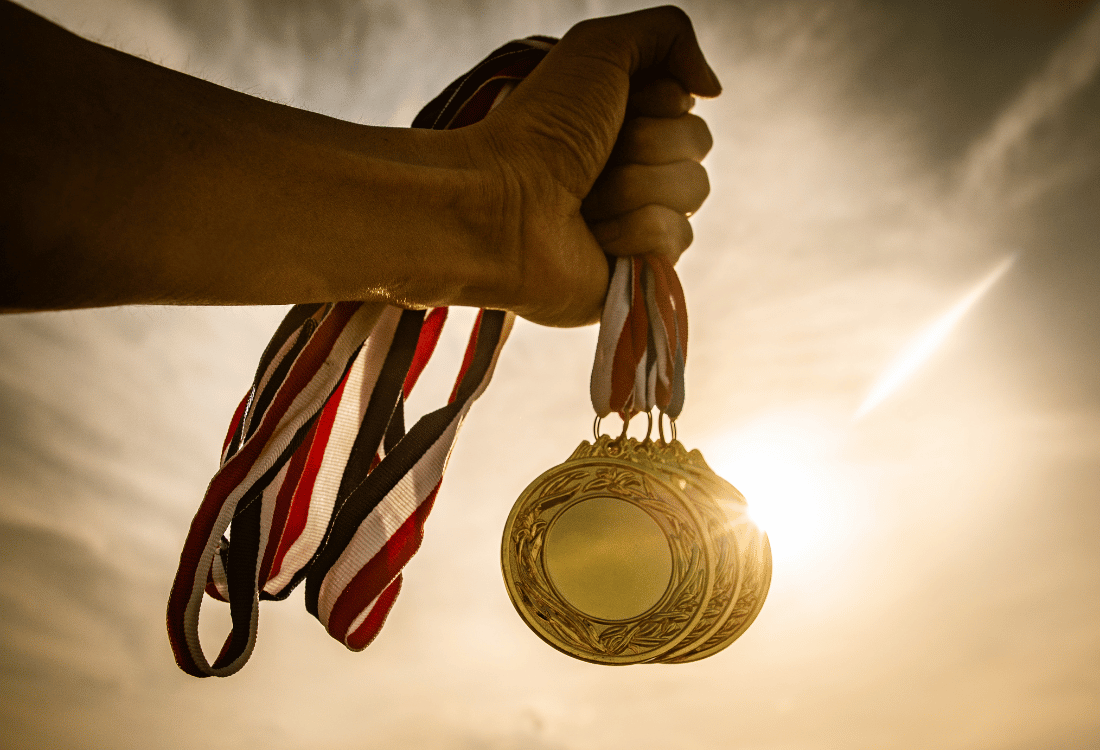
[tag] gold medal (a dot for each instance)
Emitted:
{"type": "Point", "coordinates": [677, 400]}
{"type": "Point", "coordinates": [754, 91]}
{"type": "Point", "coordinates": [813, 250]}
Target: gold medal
{"type": "Point", "coordinates": [634, 551]}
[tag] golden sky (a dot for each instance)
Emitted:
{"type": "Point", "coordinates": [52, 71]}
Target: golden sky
{"type": "Point", "coordinates": [892, 182]}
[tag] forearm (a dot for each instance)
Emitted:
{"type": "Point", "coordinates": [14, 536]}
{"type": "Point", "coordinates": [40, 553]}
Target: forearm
{"type": "Point", "coordinates": [122, 182]}
{"type": "Point", "coordinates": [131, 183]}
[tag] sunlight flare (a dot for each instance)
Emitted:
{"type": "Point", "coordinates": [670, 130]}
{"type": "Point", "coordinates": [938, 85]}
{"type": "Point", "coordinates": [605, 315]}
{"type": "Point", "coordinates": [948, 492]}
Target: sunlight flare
{"type": "Point", "coordinates": [784, 465]}
{"type": "Point", "coordinates": [930, 339]}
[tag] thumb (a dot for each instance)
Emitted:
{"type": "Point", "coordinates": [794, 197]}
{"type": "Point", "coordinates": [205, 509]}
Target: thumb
{"type": "Point", "coordinates": [657, 40]}
{"type": "Point", "coordinates": [575, 100]}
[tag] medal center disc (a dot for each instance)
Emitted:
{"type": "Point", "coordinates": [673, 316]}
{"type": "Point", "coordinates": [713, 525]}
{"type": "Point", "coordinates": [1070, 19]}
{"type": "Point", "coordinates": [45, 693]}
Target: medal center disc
{"type": "Point", "coordinates": [607, 558]}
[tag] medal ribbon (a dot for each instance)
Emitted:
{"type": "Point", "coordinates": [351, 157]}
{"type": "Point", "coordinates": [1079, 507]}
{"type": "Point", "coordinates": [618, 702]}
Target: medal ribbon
{"type": "Point", "coordinates": [319, 480]}
{"type": "Point", "coordinates": [642, 347]}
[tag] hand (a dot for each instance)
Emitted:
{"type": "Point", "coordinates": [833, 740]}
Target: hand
{"type": "Point", "coordinates": [599, 155]}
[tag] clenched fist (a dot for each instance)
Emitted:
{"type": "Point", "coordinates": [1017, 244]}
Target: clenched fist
{"type": "Point", "coordinates": [598, 153]}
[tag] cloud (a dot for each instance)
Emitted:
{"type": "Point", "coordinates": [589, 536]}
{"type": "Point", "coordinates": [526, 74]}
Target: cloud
{"type": "Point", "coordinates": [1071, 67]}
{"type": "Point", "coordinates": [950, 596]}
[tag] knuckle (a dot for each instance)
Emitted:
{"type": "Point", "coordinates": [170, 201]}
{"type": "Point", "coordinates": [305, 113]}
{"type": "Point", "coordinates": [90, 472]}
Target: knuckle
{"type": "Point", "coordinates": [672, 230]}
{"type": "Point", "coordinates": [633, 181]}
{"type": "Point", "coordinates": [687, 234]}
{"type": "Point", "coordinates": [645, 138]}
{"type": "Point", "coordinates": [651, 220]}
{"type": "Point", "coordinates": [700, 135]}
{"type": "Point", "coordinates": [656, 140]}
{"type": "Point", "coordinates": [678, 238]}
{"type": "Point", "coordinates": [695, 183]}
{"type": "Point", "coordinates": [655, 228]}
{"type": "Point", "coordinates": [587, 26]}
{"type": "Point", "coordinates": [692, 185]}
{"type": "Point", "coordinates": [674, 14]}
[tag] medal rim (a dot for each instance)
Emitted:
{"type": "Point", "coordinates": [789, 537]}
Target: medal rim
{"type": "Point", "coordinates": [698, 640]}
{"type": "Point", "coordinates": [699, 474]}
{"type": "Point", "coordinates": [696, 468]}
{"type": "Point", "coordinates": [765, 556]}
{"type": "Point", "coordinates": [582, 455]}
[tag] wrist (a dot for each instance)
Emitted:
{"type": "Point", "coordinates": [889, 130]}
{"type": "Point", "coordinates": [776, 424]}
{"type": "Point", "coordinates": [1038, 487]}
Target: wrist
{"type": "Point", "coordinates": [416, 220]}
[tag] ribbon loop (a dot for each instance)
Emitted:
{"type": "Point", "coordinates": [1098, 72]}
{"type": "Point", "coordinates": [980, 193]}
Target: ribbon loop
{"type": "Point", "coordinates": [319, 479]}
{"type": "Point", "coordinates": [642, 347]}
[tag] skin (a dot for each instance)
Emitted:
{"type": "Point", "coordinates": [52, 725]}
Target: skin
{"type": "Point", "coordinates": [127, 183]}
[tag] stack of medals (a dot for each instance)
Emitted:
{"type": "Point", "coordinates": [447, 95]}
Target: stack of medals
{"type": "Point", "coordinates": [635, 551]}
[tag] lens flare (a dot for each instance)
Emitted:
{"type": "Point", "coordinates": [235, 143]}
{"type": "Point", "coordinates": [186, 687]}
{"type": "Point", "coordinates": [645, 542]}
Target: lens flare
{"type": "Point", "coordinates": [925, 344]}
{"type": "Point", "coordinates": [784, 463]}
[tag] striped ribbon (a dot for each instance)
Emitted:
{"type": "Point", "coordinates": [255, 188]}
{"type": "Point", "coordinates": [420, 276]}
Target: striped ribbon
{"type": "Point", "coordinates": [642, 346]}
{"type": "Point", "coordinates": [319, 480]}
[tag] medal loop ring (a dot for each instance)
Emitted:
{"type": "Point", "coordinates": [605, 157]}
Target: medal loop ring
{"type": "Point", "coordinates": [661, 427]}
{"type": "Point", "coordinates": [648, 429]}
{"type": "Point", "coordinates": [626, 424]}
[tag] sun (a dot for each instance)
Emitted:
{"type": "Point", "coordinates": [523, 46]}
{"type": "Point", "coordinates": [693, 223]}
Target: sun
{"type": "Point", "coordinates": [784, 465]}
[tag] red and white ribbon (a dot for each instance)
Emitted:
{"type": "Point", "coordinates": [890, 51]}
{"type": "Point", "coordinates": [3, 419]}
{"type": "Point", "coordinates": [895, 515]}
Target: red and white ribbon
{"type": "Point", "coordinates": [642, 347]}
{"type": "Point", "coordinates": [319, 480]}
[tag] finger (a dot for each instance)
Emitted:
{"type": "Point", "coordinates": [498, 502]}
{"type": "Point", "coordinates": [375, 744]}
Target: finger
{"type": "Point", "coordinates": [573, 104]}
{"type": "Point", "coordinates": [659, 97]}
{"type": "Point", "coordinates": [682, 186]}
{"type": "Point", "coordinates": [650, 229]}
{"type": "Point", "coordinates": [659, 38]}
{"type": "Point", "coordinates": [659, 140]}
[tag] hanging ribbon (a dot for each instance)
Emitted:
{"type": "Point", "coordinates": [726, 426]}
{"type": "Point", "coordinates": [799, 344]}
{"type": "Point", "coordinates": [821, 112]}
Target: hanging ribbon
{"type": "Point", "coordinates": [642, 345]}
{"type": "Point", "coordinates": [319, 480]}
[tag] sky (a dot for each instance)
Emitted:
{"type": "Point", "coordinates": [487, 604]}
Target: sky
{"type": "Point", "coordinates": [895, 356]}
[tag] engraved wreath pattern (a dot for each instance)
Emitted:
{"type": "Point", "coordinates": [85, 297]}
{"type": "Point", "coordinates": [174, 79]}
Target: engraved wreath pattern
{"type": "Point", "coordinates": [754, 589]}
{"type": "Point", "coordinates": [721, 560]}
{"type": "Point", "coordinates": [733, 570]}
{"type": "Point", "coordinates": [641, 636]}
{"type": "Point", "coordinates": [728, 570]}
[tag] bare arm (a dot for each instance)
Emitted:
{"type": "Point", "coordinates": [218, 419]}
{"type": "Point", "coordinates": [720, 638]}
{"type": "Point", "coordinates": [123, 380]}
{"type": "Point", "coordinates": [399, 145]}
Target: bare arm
{"type": "Point", "coordinates": [125, 182]}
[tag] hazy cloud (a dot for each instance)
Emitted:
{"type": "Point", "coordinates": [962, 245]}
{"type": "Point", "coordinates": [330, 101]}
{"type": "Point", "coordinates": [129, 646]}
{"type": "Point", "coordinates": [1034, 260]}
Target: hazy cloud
{"type": "Point", "coordinates": [937, 579]}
